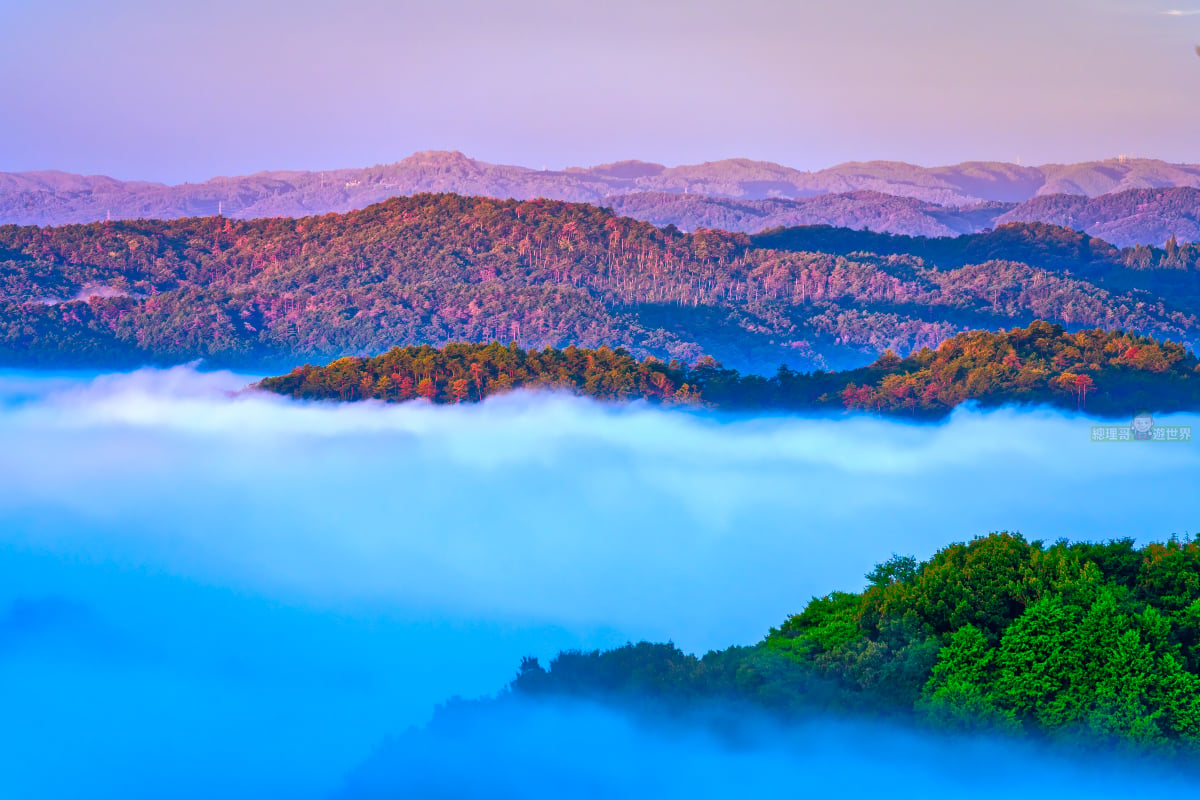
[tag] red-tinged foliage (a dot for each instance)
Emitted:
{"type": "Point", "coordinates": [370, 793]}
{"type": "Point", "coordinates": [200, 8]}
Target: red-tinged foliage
{"type": "Point", "coordinates": [1041, 364]}
{"type": "Point", "coordinates": [431, 269]}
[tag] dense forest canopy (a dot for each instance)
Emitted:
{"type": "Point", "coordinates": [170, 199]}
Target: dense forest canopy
{"type": "Point", "coordinates": [431, 269]}
{"type": "Point", "coordinates": [1050, 246]}
{"type": "Point", "coordinates": [1084, 642]}
{"type": "Point", "coordinates": [1127, 218]}
{"type": "Point", "coordinates": [1108, 373]}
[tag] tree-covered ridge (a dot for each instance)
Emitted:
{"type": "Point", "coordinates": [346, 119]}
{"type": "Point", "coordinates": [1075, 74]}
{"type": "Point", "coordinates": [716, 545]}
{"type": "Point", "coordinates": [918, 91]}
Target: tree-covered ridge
{"type": "Point", "coordinates": [1050, 246]}
{"type": "Point", "coordinates": [431, 269]}
{"type": "Point", "coordinates": [1142, 276]}
{"type": "Point", "coordinates": [1105, 372]}
{"type": "Point", "coordinates": [460, 372]}
{"type": "Point", "coordinates": [1126, 219]}
{"type": "Point", "coordinates": [1094, 642]}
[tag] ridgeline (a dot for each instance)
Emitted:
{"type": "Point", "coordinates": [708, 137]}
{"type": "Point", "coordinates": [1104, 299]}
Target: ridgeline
{"type": "Point", "coordinates": [1086, 643]}
{"type": "Point", "coordinates": [265, 294]}
{"type": "Point", "coordinates": [1105, 373]}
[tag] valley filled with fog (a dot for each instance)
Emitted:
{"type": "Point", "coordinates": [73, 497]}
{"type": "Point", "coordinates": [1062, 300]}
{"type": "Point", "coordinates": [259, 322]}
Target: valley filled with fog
{"type": "Point", "coordinates": [214, 592]}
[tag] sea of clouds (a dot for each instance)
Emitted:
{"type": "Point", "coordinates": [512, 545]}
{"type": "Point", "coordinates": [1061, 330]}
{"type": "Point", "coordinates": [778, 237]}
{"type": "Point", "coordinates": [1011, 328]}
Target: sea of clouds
{"type": "Point", "coordinates": [211, 592]}
{"type": "Point", "coordinates": [541, 749]}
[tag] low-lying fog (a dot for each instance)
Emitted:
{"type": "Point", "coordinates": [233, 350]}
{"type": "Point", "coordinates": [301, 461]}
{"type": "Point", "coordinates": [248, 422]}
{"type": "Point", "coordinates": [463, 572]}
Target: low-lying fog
{"type": "Point", "coordinates": [562, 749]}
{"type": "Point", "coordinates": [205, 593]}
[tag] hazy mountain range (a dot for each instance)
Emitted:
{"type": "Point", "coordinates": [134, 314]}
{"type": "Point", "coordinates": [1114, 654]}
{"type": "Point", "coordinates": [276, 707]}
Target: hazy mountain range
{"type": "Point", "coordinates": [1125, 201]}
{"type": "Point", "coordinates": [1127, 218]}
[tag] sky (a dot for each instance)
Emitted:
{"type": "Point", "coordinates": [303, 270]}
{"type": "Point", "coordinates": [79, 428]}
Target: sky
{"type": "Point", "coordinates": [184, 91]}
{"type": "Point", "coordinates": [192, 576]}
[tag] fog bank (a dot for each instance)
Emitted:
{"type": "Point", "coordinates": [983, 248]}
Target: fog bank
{"type": "Point", "coordinates": [191, 574]}
{"type": "Point", "coordinates": [535, 749]}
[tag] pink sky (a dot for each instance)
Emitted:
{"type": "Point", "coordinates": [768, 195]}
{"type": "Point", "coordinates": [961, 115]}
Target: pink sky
{"type": "Point", "coordinates": [184, 91]}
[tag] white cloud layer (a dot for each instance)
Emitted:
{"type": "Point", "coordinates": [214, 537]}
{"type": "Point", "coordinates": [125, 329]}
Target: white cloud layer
{"type": "Point", "coordinates": [534, 749]}
{"type": "Point", "coordinates": [343, 567]}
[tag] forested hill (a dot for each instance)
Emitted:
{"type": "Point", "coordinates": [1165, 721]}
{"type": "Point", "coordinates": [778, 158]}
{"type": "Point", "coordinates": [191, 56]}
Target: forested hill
{"type": "Point", "coordinates": [1045, 245]}
{"type": "Point", "coordinates": [430, 269]}
{"type": "Point", "coordinates": [1104, 373]}
{"type": "Point", "coordinates": [1096, 643]}
{"type": "Point", "coordinates": [1126, 218]}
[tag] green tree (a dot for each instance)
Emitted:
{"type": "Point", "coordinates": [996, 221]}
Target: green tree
{"type": "Point", "coordinates": [960, 693]}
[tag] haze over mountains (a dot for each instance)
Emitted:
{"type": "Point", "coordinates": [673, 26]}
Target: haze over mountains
{"type": "Point", "coordinates": [1125, 201]}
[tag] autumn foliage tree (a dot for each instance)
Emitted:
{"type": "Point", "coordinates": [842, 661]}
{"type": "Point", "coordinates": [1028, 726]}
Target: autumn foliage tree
{"type": "Point", "coordinates": [1102, 371]}
{"type": "Point", "coordinates": [432, 269]}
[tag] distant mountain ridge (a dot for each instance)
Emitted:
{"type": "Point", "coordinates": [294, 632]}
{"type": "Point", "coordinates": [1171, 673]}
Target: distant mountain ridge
{"type": "Point", "coordinates": [882, 213]}
{"type": "Point", "coordinates": [1127, 218]}
{"type": "Point", "coordinates": [1126, 201]}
